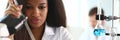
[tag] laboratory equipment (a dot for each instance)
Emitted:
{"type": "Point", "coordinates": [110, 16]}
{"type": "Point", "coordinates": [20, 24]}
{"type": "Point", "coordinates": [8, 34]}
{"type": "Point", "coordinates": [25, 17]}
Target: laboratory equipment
{"type": "Point", "coordinates": [99, 30]}
{"type": "Point", "coordinates": [10, 25]}
{"type": "Point", "coordinates": [113, 32]}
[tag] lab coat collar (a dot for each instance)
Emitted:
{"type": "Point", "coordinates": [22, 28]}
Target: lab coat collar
{"type": "Point", "coordinates": [49, 30]}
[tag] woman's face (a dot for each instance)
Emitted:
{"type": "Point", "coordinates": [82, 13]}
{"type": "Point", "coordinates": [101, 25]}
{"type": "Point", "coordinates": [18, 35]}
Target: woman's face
{"type": "Point", "coordinates": [36, 12]}
{"type": "Point", "coordinates": [93, 20]}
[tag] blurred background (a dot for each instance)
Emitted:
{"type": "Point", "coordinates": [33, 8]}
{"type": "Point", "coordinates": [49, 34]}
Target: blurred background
{"type": "Point", "coordinates": [77, 14]}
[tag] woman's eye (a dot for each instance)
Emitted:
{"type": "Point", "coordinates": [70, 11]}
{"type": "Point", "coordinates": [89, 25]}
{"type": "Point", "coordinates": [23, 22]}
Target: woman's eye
{"type": "Point", "coordinates": [42, 7]}
{"type": "Point", "coordinates": [28, 7]}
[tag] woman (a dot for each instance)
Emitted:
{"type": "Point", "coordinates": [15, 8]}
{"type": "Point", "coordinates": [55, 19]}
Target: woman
{"type": "Point", "coordinates": [46, 19]}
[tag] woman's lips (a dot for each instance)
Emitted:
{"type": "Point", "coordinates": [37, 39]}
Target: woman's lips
{"type": "Point", "coordinates": [35, 20]}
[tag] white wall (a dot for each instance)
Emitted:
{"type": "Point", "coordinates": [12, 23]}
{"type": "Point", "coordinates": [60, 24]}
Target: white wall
{"type": "Point", "coordinates": [76, 11]}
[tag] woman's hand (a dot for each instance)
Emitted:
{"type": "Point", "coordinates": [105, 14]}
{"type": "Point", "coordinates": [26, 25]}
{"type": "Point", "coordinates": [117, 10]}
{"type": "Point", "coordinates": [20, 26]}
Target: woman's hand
{"type": "Point", "coordinates": [11, 37]}
{"type": "Point", "coordinates": [13, 9]}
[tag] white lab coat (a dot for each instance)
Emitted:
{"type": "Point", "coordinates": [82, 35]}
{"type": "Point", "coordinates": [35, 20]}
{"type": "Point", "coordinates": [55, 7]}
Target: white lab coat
{"type": "Point", "coordinates": [59, 33]}
{"type": "Point", "coordinates": [87, 34]}
{"type": "Point", "coordinates": [56, 33]}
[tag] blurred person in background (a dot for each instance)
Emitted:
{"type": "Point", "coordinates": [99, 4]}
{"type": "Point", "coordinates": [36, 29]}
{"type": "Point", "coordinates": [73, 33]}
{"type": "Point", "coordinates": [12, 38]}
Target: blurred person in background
{"type": "Point", "coordinates": [88, 33]}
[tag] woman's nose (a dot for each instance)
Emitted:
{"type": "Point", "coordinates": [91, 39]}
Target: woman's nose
{"type": "Point", "coordinates": [36, 12]}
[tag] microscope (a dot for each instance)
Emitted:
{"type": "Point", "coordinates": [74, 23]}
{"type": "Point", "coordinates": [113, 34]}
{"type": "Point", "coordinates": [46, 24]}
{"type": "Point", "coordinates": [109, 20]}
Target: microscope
{"type": "Point", "coordinates": [98, 32]}
{"type": "Point", "coordinates": [108, 18]}
{"type": "Point", "coordinates": [10, 25]}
